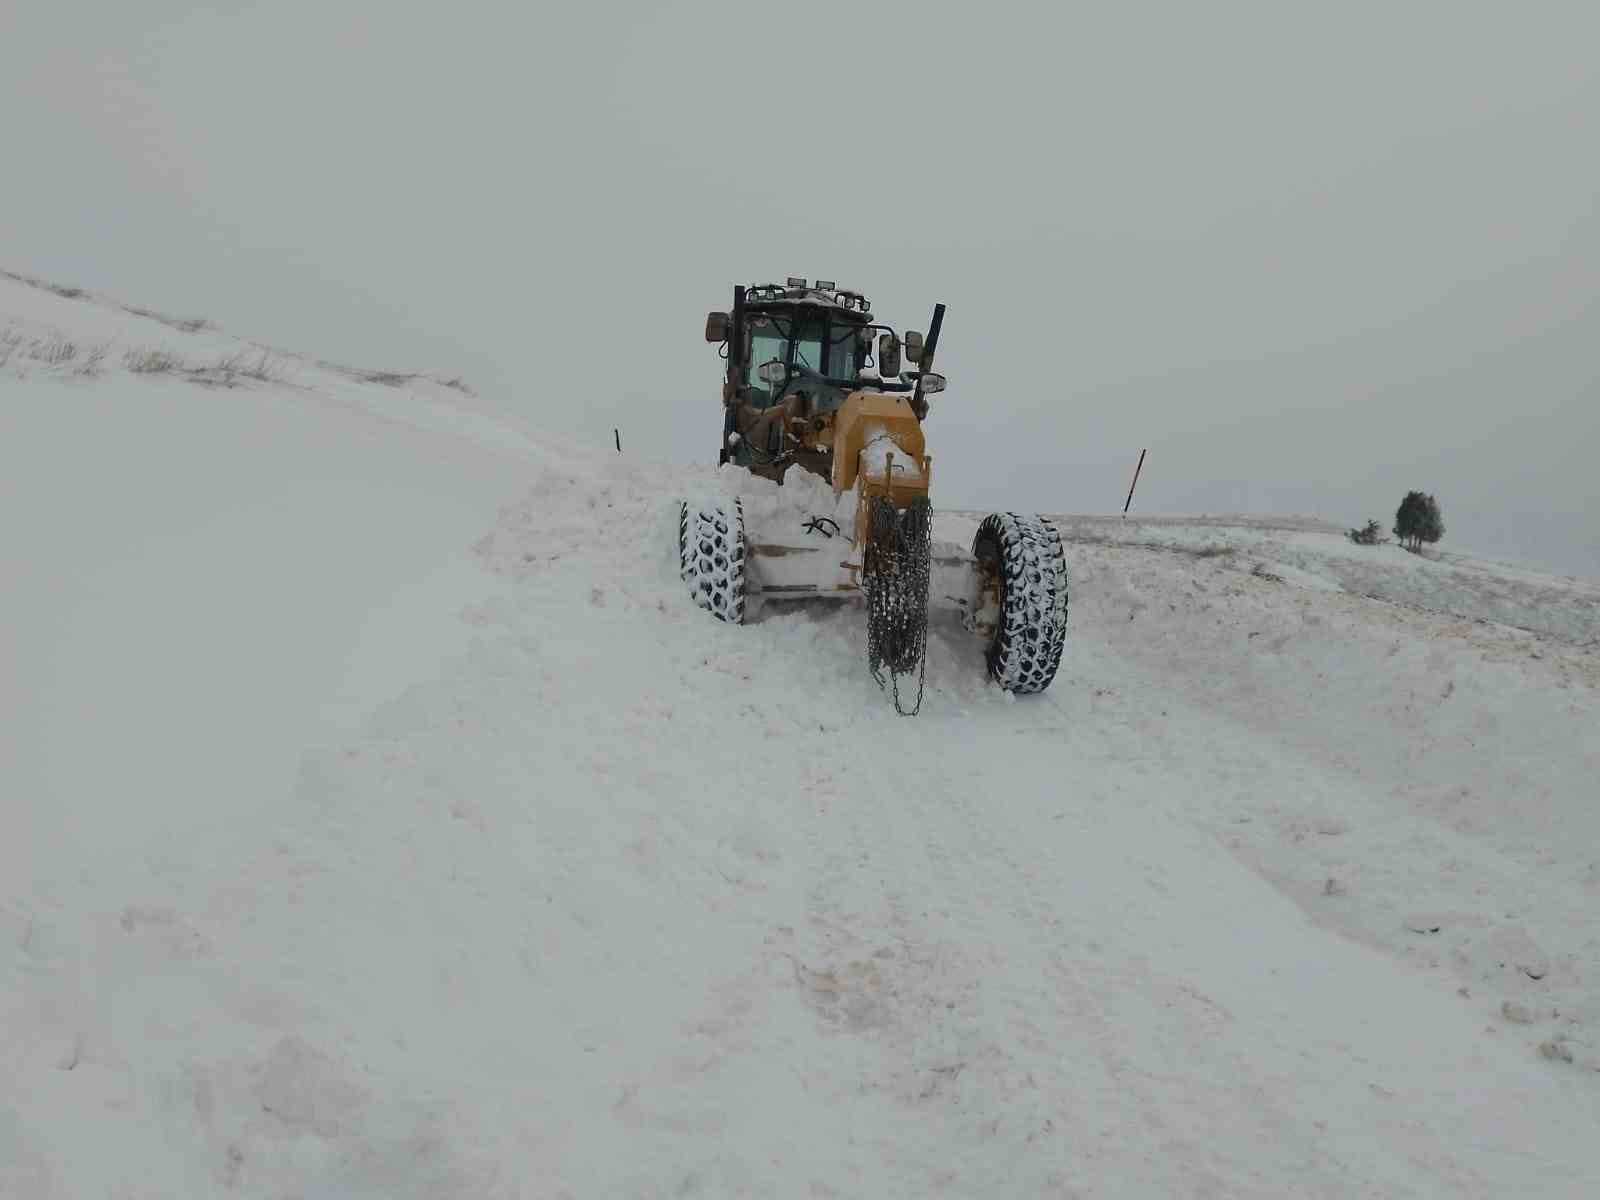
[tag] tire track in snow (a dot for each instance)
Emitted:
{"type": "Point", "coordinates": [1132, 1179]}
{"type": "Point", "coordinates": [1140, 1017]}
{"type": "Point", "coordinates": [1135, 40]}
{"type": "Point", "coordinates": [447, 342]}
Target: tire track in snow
{"type": "Point", "coordinates": [999, 900]}
{"type": "Point", "coordinates": [1195, 1071]}
{"type": "Point", "coordinates": [852, 979]}
{"type": "Point", "coordinates": [983, 834]}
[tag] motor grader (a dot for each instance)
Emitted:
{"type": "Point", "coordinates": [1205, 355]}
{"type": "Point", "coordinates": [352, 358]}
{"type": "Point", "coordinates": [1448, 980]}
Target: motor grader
{"type": "Point", "coordinates": [813, 382]}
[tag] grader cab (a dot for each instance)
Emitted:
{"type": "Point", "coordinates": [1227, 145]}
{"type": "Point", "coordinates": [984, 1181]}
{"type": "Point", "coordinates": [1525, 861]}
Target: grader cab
{"type": "Point", "coordinates": [814, 382]}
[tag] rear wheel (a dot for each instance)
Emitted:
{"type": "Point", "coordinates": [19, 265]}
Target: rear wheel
{"type": "Point", "coordinates": [711, 556]}
{"type": "Point", "coordinates": [1021, 560]}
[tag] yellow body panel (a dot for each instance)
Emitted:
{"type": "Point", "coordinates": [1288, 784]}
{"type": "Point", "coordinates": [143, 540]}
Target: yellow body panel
{"type": "Point", "coordinates": [878, 449]}
{"type": "Point", "coordinates": [870, 426]}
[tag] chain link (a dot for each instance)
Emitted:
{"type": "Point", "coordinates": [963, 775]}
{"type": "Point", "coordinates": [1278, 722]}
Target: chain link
{"type": "Point", "coordinates": [895, 568]}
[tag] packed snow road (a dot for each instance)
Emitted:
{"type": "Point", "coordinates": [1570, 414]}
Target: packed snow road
{"type": "Point", "coordinates": [1025, 962]}
{"type": "Point", "coordinates": [1278, 891]}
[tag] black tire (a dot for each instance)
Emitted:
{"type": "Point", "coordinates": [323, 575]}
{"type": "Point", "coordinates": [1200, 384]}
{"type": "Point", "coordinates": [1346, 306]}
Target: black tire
{"type": "Point", "coordinates": [711, 557]}
{"type": "Point", "coordinates": [1023, 554]}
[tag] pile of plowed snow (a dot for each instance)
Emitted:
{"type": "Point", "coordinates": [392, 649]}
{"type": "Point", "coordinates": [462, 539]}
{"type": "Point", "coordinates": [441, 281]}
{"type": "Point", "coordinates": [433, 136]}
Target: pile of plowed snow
{"type": "Point", "coordinates": [1314, 554]}
{"type": "Point", "coordinates": [384, 820]}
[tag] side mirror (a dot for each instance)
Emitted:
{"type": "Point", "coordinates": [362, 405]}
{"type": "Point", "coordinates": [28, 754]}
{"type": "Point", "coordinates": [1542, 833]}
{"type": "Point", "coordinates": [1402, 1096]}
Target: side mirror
{"type": "Point", "coordinates": [913, 345]}
{"type": "Point", "coordinates": [932, 383]}
{"type": "Point", "coordinates": [717, 327]}
{"type": "Point", "coordinates": [888, 355]}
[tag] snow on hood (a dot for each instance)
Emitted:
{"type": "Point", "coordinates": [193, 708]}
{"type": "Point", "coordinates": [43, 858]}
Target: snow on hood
{"type": "Point", "coordinates": [880, 444]}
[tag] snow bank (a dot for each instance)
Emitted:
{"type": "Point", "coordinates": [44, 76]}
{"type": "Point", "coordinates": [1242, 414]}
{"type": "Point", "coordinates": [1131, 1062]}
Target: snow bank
{"type": "Point", "coordinates": [1318, 555]}
{"type": "Point", "coordinates": [1431, 765]}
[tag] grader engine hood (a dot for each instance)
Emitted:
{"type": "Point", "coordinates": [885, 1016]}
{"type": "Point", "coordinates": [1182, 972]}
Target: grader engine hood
{"type": "Point", "coordinates": [878, 441]}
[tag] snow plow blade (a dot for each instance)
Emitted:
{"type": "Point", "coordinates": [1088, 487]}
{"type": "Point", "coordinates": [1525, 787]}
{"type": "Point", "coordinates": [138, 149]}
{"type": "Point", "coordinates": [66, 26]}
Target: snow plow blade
{"type": "Point", "coordinates": [829, 569]}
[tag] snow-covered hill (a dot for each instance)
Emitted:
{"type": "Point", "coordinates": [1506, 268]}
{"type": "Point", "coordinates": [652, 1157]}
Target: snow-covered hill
{"type": "Point", "coordinates": [381, 820]}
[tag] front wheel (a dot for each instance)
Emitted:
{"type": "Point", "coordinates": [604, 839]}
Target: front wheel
{"type": "Point", "coordinates": [1023, 566]}
{"type": "Point", "coordinates": [711, 557]}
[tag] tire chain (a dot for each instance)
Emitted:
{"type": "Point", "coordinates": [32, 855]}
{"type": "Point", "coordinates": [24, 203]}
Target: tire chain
{"type": "Point", "coordinates": [895, 571]}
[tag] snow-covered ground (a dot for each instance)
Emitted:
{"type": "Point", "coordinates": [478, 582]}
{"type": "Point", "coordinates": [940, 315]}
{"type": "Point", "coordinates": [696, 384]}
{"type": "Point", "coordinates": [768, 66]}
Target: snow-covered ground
{"type": "Point", "coordinates": [380, 819]}
{"type": "Point", "coordinates": [1312, 553]}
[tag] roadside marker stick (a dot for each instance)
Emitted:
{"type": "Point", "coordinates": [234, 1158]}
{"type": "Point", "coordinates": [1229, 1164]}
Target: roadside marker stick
{"type": "Point", "coordinates": [1135, 482]}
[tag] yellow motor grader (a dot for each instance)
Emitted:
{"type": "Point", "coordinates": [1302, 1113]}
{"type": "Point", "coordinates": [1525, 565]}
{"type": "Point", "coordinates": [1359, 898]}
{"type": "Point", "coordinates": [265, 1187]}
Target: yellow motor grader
{"type": "Point", "coordinates": [808, 385]}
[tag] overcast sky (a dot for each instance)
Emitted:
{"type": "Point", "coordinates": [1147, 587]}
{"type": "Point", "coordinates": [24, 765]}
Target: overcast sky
{"type": "Point", "coordinates": [1310, 255]}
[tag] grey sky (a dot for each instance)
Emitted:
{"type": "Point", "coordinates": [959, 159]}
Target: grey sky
{"type": "Point", "coordinates": [1310, 255]}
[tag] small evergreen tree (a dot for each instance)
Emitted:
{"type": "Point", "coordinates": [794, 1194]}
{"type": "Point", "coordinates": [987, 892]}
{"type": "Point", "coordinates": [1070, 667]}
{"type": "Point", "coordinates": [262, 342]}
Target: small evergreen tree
{"type": "Point", "coordinates": [1371, 534]}
{"type": "Point", "coordinates": [1418, 520]}
{"type": "Point", "coordinates": [1433, 522]}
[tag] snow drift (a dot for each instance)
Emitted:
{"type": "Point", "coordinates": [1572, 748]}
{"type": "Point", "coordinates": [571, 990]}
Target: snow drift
{"type": "Point", "coordinates": [382, 820]}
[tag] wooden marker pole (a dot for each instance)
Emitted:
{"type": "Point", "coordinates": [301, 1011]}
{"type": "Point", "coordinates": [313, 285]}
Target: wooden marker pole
{"type": "Point", "coordinates": [617, 433]}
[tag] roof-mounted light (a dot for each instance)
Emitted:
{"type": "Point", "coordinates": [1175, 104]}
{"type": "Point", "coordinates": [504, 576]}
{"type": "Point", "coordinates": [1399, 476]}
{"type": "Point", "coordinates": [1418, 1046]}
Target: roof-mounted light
{"type": "Point", "coordinates": [796, 281]}
{"type": "Point", "coordinates": [823, 285]}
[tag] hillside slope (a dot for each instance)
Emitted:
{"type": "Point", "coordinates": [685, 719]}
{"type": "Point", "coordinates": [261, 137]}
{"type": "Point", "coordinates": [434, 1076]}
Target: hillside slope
{"type": "Point", "coordinates": [383, 821]}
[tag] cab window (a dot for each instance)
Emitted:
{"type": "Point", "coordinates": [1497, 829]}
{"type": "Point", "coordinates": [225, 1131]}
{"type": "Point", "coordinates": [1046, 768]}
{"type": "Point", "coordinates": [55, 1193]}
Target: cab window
{"type": "Point", "coordinates": [842, 352]}
{"type": "Point", "coordinates": [808, 344]}
{"type": "Point", "coordinates": [768, 341]}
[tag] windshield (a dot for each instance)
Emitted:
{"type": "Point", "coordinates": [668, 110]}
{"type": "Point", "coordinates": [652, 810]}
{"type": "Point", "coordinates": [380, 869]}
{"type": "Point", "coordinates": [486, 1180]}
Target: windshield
{"type": "Point", "coordinates": [808, 345]}
{"type": "Point", "coordinates": [771, 335]}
